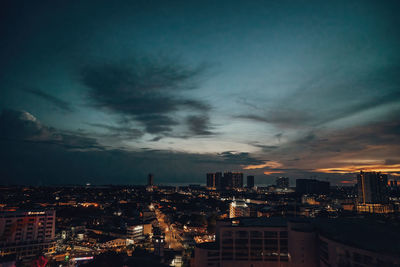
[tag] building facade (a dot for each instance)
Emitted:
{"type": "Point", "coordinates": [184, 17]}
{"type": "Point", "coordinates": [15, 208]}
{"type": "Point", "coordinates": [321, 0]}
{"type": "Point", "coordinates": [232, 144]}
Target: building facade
{"type": "Point", "coordinates": [232, 180]}
{"type": "Point", "coordinates": [27, 233]}
{"type": "Point", "coordinates": [372, 193]}
{"type": "Point", "coordinates": [372, 187]}
{"type": "Point", "coordinates": [312, 186]}
{"type": "Point", "coordinates": [229, 180]}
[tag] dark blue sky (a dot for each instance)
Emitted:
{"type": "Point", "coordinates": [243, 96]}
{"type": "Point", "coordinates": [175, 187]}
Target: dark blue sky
{"type": "Point", "coordinates": [106, 92]}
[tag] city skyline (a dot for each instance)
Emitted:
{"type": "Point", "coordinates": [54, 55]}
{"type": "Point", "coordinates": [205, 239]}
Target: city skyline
{"type": "Point", "coordinates": [105, 93]}
{"type": "Point", "coordinates": [222, 224]}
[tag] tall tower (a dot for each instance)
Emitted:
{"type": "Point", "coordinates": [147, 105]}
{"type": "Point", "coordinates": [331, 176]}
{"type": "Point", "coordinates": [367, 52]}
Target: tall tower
{"type": "Point", "coordinates": [150, 179]}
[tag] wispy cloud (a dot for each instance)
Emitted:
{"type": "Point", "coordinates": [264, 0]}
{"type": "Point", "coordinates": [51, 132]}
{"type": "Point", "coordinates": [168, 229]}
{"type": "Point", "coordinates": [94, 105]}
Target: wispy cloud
{"type": "Point", "coordinates": [331, 96]}
{"type": "Point", "coordinates": [59, 103]}
{"type": "Point", "coordinates": [125, 133]}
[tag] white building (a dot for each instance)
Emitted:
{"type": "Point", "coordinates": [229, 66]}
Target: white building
{"type": "Point", "coordinates": [139, 231]}
{"type": "Point", "coordinates": [238, 208]}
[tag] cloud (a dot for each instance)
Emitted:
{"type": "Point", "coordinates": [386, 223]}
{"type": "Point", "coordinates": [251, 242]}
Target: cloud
{"type": "Point", "coordinates": [34, 152]}
{"type": "Point", "coordinates": [372, 146]}
{"type": "Point", "coordinates": [336, 122]}
{"type": "Point", "coordinates": [148, 91]}
{"type": "Point", "coordinates": [157, 123]}
{"type": "Point", "coordinates": [331, 95]}
{"type": "Point", "coordinates": [195, 105]}
{"type": "Point", "coordinates": [386, 168]}
{"type": "Point", "coordinates": [199, 125]}
{"type": "Point", "coordinates": [59, 103]}
{"type": "Point", "coordinates": [265, 148]}
{"type": "Point", "coordinates": [21, 126]}
{"type": "Point", "coordinates": [124, 133]}
{"type": "Point", "coordinates": [282, 117]}
{"type": "Point", "coordinates": [239, 158]}
{"type": "Point", "coordinates": [272, 172]}
{"type": "Point", "coordinates": [267, 164]}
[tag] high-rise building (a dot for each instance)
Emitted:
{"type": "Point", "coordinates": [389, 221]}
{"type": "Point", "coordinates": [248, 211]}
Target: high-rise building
{"type": "Point", "coordinates": [211, 181]}
{"type": "Point", "coordinates": [218, 180]}
{"type": "Point", "coordinates": [237, 180]}
{"type": "Point", "coordinates": [250, 181]}
{"type": "Point", "coordinates": [372, 188]}
{"type": "Point", "coordinates": [238, 208]}
{"type": "Point", "coordinates": [312, 186]}
{"type": "Point", "coordinates": [282, 182]}
{"type": "Point", "coordinates": [232, 180]}
{"type": "Point", "coordinates": [228, 181]}
{"type": "Point", "coordinates": [150, 179]}
{"type": "Point", "coordinates": [27, 233]}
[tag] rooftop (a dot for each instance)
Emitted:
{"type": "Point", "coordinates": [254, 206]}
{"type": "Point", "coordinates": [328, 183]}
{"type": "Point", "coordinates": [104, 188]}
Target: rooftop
{"type": "Point", "coordinates": [368, 234]}
{"type": "Point", "coordinates": [208, 245]}
{"type": "Point", "coordinates": [260, 221]}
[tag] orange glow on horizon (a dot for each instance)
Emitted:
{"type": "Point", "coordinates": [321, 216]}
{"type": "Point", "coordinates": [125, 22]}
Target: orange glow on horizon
{"type": "Point", "coordinates": [391, 169]}
{"type": "Point", "coordinates": [347, 182]}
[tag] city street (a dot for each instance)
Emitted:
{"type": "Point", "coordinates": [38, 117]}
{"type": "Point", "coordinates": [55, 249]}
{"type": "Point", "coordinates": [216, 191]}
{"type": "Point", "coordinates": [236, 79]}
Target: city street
{"type": "Point", "coordinates": [172, 237]}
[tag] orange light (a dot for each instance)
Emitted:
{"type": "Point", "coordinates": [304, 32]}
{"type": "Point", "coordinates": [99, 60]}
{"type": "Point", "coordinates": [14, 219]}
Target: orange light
{"type": "Point", "coordinates": [267, 164]}
{"type": "Point", "coordinates": [347, 182]}
{"type": "Point", "coordinates": [271, 172]}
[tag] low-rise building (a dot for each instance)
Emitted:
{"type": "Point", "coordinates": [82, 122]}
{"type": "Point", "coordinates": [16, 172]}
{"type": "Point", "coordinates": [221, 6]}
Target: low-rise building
{"type": "Point", "coordinates": [238, 208]}
{"type": "Point", "coordinates": [279, 242]}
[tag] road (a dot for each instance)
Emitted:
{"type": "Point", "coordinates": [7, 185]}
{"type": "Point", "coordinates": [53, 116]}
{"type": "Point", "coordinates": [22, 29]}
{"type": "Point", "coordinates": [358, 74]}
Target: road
{"type": "Point", "coordinates": [172, 236]}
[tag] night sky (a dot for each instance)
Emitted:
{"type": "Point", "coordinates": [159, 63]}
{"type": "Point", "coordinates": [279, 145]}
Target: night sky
{"type": "Point", "coordinates": [108, 91]}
